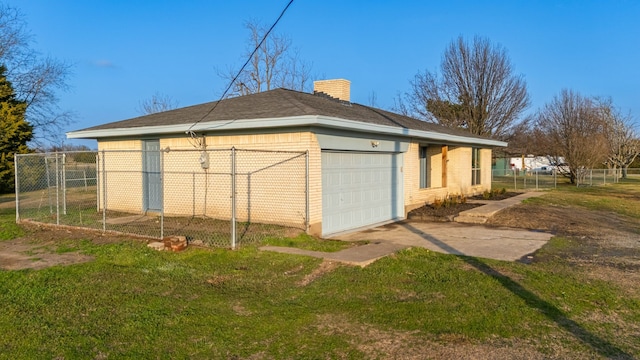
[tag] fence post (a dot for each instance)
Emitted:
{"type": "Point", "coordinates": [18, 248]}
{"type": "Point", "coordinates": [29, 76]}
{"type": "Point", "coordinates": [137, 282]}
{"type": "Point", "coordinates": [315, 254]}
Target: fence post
{"type": "Point", "coordinates": [515, 181]}
{"type": "Point", "coordinates": [17, 185]}
{"type": "Point", "coordinates": [64, 183]}
{"type": "Point", "coordinates": [97, 182]}
{"type": "Point", "coordinates": [57, 193]}
{"type": "Point", "coordinates": [307, 189]}
{"type": "Point", "coordinates": [104, 194]}
{"type": "Point", "coordinates": [162, 178]}
{"type": "Point", "coordinates": [537, 179]}
{"type": "Point", "coordinates": [233, 197]}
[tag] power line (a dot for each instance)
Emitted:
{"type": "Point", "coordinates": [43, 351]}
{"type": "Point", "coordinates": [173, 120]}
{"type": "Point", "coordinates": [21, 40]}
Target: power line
{"type": "Point", "coordinates": [191, 133]}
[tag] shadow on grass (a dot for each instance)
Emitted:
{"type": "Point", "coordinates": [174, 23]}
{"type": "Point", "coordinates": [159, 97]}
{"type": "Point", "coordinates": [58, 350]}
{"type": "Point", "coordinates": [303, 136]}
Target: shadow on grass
{"type": "Point", "coordinates": [602, 346]}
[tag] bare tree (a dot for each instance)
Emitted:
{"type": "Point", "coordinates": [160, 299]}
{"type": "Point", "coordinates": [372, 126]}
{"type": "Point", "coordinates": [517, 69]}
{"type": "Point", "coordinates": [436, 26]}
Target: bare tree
{"type": "Point", "coordinates": [36, 78]}
{"type": "Point", "coordinates": [523, 139]}
{"type": "Point", "coordinates": [573, 133]}
{"type": "Point", "coordinates": [622, 139]}
{"type": "Point", "coordinates": [157, 103]}
{"type": "Point", "coordinates": [275, 64]}
{"type": "Point", "coordinates": [400, 105]}
{"type": "Point", "coordinates": [372, 99]}
{"type": "Point", "coordinates": [295, 73]}
{"type": "Point", "coordinates": [476, 90]}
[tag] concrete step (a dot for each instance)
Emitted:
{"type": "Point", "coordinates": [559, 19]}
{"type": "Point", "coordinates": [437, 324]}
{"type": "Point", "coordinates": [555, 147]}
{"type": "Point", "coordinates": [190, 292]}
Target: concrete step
{"type": "Point", "coordinates": [468, 219]}
{"type": "Point", "coordinates": [481, 214]}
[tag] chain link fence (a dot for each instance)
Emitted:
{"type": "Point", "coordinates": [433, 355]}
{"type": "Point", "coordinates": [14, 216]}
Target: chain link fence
{"type": "Point", "coordinates": [221, 198]}
{"type": "Point", "coordinates": [540, 180]}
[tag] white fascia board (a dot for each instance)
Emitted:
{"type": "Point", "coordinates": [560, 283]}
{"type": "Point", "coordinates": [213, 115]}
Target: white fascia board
{"type": "Point", "coordinates": [203, 127]}
{"type": "Point", "coordinates": [404, 132]}
{"type": "Point", "coordinates": [313, 120]}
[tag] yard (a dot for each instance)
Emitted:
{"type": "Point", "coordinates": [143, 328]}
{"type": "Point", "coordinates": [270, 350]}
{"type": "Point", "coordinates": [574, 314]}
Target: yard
{"type": "Point", "coordinates": [578, 298]}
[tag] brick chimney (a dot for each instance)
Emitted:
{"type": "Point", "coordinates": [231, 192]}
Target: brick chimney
{"type": "Point", "coordinates": [336, 88]}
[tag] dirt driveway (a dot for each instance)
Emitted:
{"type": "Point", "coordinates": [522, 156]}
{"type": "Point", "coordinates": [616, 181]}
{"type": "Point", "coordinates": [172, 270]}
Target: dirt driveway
{"type": "Point", "coordinates": [603, 244]}
{"type": "Point", "coordinates": [41, 245]}
{"type": "Point", "coordinates": [23, 253]}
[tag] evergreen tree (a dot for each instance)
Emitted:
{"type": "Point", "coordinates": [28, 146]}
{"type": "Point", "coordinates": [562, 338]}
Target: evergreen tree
{"type": "Point", "coordinates": [15, 132]}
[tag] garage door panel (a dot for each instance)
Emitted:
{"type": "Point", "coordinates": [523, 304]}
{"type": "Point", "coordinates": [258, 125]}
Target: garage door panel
{"type": "Point", "coordinates": [368, 190]}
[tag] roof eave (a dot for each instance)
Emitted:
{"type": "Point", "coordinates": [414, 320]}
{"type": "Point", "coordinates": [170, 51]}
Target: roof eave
{"type": "Point", "coordinates": [314, 120]}
{"type": "Point", "coordinates": [406, 132]}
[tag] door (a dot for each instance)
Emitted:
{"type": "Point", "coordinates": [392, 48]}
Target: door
{"type": "Point", "coordinates": [151, 175]}
{"type": "Point", "coordinates": [360, 189]}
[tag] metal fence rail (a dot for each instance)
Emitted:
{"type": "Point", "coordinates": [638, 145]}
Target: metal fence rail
{"type": "Point", "coordinates": [222, 198]}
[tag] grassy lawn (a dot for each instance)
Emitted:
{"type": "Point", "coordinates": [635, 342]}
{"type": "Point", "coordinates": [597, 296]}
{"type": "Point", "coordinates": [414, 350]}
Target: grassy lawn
{"type": "Point", "coordinates": [133, 302]}
{"type": "Point", "coordinates": [306, 242]}
{"type": "Point", "coordinates": [622, 198]}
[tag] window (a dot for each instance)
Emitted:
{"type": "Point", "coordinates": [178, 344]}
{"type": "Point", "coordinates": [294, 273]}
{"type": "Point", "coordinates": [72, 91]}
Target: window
{"type": "Point", "coordinates": [424, 169]}
{"type": "Point", "coordinates": [475, 166]}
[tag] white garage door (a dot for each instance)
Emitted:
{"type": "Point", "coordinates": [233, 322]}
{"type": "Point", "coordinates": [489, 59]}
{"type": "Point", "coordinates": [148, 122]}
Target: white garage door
{"type": "Point", "coordinates": [360, 189]}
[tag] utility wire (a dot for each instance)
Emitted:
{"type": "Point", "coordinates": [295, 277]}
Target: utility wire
{"type": "Point", "coordinates": [191, 133]}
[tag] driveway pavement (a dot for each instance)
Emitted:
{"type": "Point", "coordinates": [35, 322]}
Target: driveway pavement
{"type": "Point", "coordinates": [450, 238]}
{"type": "Point", "coordinates": [459, 239]}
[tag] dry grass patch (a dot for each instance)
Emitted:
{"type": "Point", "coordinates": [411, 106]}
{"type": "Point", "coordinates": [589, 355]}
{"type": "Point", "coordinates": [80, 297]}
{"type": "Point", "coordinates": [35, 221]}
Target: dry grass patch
{"type": "Point", "coordinates": [377, 343]}
{"type": "Point", "coordinates": [325, 267]}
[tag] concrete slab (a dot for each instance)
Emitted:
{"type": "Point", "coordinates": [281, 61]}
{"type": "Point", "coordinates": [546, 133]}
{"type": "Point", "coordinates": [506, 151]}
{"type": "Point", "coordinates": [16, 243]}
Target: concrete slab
{"type": "Point", "coordinates": [506, 244]}
{"type": "Point", "coordinates": [481, 214]}
{"type": "Point", "coordinates": [460, 239]}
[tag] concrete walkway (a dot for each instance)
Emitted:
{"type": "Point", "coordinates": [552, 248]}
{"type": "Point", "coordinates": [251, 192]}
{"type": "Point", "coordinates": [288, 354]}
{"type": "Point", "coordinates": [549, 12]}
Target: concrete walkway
{"type": "Point", "coordinates": [450, 238]}
{"type": "Point", "coordinates": [481, 214]}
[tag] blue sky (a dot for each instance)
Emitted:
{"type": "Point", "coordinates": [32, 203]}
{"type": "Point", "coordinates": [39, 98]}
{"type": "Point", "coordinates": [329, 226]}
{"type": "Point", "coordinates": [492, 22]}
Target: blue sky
{"type": "Point", "coordinates": [125, 51]}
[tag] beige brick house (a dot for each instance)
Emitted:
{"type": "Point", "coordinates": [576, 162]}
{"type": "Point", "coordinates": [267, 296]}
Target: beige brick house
{"type": "Point", "coordinates": [366, 166]}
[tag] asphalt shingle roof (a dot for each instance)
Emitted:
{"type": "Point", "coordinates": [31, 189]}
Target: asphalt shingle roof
{"type": "Point", "coordinates": [279, 103]}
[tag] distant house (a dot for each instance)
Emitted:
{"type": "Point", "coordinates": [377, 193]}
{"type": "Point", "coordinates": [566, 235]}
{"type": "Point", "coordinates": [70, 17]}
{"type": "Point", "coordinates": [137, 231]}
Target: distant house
{"type": "Point", "coordinates": [528, 164]}
{"type": "Point", "coordinates": [367, 166]}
